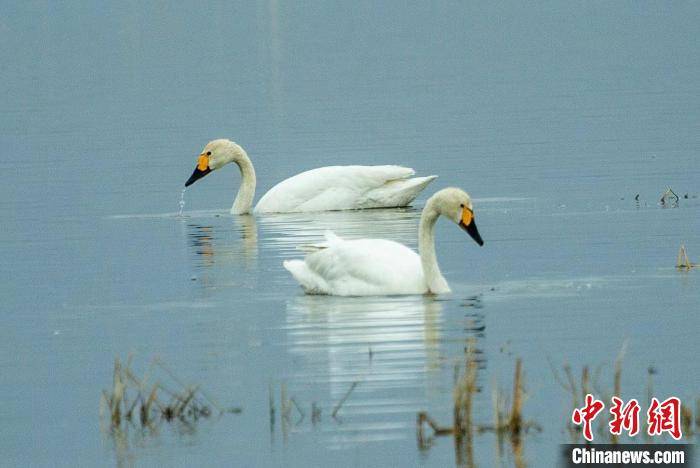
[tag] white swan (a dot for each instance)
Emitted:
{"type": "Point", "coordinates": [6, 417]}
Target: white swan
{"type": "Point", "coordinates": [369, 267]}
{"type": "Point", "coordinates": [322, 189]}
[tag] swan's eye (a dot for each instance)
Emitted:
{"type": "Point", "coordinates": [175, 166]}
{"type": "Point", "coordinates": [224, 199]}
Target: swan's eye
{"type": "Point", "coordinates": [208, 153]}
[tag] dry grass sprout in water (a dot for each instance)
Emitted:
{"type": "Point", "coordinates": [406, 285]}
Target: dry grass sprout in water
{"type": "Point", "coordinates": [291, 410]}
{"type": "Point", "coordinates": [134, 402]}
{"type": "Point", "coordinates": [579, 388]}
{"type": "Point", "coordinates": [669, 197]}
{"type": "Point", "coordinates": [508, 419]}
{"type": "Point", "coordinates": [683, 262]}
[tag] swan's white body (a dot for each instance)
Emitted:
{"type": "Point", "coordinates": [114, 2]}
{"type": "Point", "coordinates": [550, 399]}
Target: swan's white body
{"type": "Point", "coordinates": [368, 267]}
{"type": "Point", "coordinates": [360, 267]}
{"type": "Point", "coordinates": [322, 189]}
{"type": "Point", "coordinates": [344, 188]}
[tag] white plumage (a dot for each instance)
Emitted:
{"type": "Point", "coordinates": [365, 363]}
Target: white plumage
{"type": "Point", "coordinates": [342, 188]}
{"type": "Point", "coordinates": [360, 267]}
{"type": "Point", "coordinates": [367, 267]}
{"type": "Point", "coordinates": [322, 189]}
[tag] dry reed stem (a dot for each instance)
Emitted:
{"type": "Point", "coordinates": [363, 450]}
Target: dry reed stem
{"type": "Point", "coordinates": [271, 404]}
{"type": "Point", "coordinates": [498, 405]}
{"type": "Point", "coordinates": [572, 383]}
{"type": "Point", "coordinates": [186, 406]}
{"type": "Point", "coordinates": [617, 382]}
{"type": "Point", "coordinates": [438, 430]}
{"type": "Point", "coordinates": [315, 413]}
{"type": "Point", "coordinates": [462, 395]}
{"type": "Point", "coordinates": [668, 195]}
{"type": "Point", "coordinates": [683, 262]}
{"type": "Point", "coordinates": [342, 400]}
{"type": "Point", "coordinates": [172, 375]}
{"type": "Point", "coordinates": [585, 382]}
{"type": "Point", "coordinates": [146, 407]}
{"type": "Point", "coordinates": [687, 421]}
{"type": "Point", "coordinates": [302, 415]}
{"type": "Point", "coordinates": [285, 408]}
{"type": "Point", "coordinates": [118, 389]}
{"type": "Point", "coordinates": [512, 425]}
{"type": "Point", "coordinates": [516, 419]}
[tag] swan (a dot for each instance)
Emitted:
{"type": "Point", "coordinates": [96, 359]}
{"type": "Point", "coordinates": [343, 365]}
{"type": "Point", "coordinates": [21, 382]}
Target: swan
{"type": "Point", "coordinates": [371, 267]}
{"type": "Point", "coordinates": [322, 189]}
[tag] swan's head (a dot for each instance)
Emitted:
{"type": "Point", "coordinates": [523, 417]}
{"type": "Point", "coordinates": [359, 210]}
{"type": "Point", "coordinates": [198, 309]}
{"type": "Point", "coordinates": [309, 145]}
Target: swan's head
{"type": "Point", "coordinates": [216, 154]}
{"type": "Point", "coordinates": [455, 204]}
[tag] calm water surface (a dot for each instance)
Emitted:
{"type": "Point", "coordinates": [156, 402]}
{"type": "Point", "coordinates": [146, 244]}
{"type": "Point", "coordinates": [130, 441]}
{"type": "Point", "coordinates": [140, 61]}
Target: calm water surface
{"type": "Point", "coordinates": [552, 116]}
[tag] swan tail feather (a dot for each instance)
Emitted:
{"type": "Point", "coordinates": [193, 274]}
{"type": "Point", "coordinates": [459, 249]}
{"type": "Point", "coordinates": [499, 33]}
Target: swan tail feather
{"type": "Point", "coordinates": [310, 282]}
{"type": "Point", "coordinates": [395, 193]}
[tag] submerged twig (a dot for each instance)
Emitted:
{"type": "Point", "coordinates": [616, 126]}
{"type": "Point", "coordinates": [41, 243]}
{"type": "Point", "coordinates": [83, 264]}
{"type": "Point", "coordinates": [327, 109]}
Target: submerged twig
{"type": "Point", "coordinates": [315, 413]}
{"type": "Point", "coordinates": [302, 415]}
{"type": "Point", "coordinates": [271, 404]}
{"type": "Point", "coordinates": [342, 400]}
{"type": "Point", "coordinates": [683, 262]}
{"type": "Point", "coordinates": [438, 430]}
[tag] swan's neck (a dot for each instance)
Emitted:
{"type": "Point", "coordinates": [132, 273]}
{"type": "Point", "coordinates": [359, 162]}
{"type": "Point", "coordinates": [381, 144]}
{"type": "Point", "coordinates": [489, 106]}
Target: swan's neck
{"type": "Point", "coordinates": [426, 248]}
{"type": "Point", "coordinates": [244, 199]}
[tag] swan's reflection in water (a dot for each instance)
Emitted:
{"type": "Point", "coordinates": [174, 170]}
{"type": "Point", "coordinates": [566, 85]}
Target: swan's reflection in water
{"type": "Point", "coordinates": [201, 239]}
{"type": "Point", "coordinates": [221, 252]}
{"type": "Point", "coordinates": [389, 346]}
{"type": "Point", "coordinates": [285, 232]}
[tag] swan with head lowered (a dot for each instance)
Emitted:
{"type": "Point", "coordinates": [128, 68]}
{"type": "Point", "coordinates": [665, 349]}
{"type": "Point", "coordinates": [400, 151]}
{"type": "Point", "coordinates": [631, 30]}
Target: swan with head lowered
{"type": "Point", "coordinates": [322, 189]}
{"type": "Point", "coordinates": [371, 267]}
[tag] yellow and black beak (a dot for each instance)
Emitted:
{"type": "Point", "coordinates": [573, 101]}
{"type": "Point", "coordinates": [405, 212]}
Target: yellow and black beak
{"type": "Point", "coordinates": [467, 223]}
{"type": "Point", "coordinates": [200, 171]}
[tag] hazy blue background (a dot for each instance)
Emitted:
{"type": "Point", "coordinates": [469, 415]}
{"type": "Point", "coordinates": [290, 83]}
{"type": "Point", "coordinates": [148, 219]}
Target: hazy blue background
{"type": "Point", "coordinates": [552, 115]}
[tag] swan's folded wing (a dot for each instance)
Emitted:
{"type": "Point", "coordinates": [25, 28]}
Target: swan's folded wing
{"type": "Point", "coordinates": [400, 192]}
{"type": "Point", "coordinates": [330, 188]}
{"type": "Point", "coordinates": [366, 266]}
